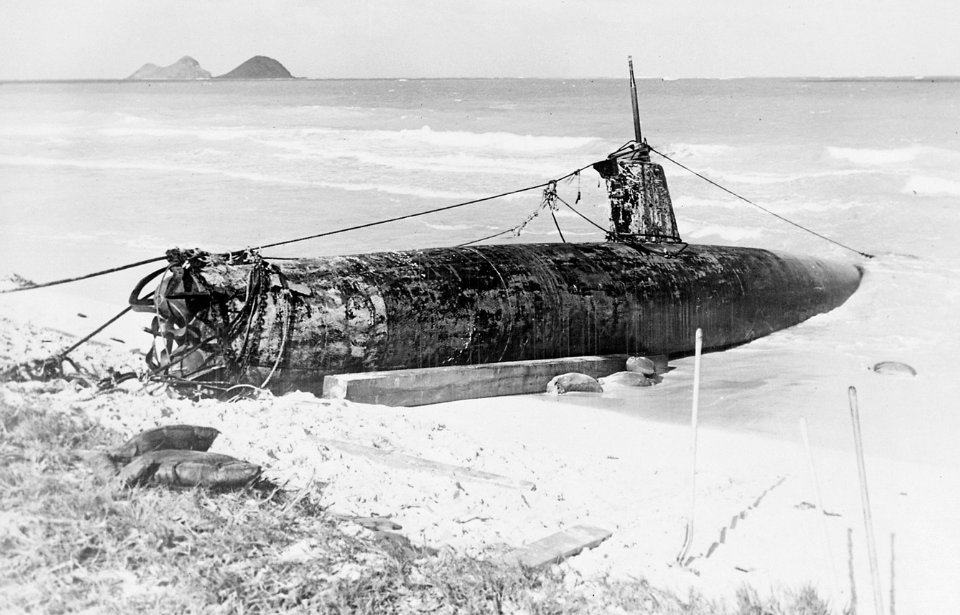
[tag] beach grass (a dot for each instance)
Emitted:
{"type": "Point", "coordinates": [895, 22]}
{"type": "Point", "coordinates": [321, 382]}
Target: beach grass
{"type": "Point", "coordinates": [73, 540]}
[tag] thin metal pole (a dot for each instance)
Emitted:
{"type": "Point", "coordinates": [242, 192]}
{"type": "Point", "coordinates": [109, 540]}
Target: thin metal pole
{"type": "Point", "coordinates": [636, 107]}
{"type": "Point", "coordinates": [810, 465]}
{"type": "Point", "coordinates": [853, 580]}
{"type": "Point", "coordinates": [816, 486]}
{"type": "Point", "coordinates": [893, 579]}
{"type": "Point", "coordinates": [688, 539]}
{"type": "Point", "coordinates": [865, 497]}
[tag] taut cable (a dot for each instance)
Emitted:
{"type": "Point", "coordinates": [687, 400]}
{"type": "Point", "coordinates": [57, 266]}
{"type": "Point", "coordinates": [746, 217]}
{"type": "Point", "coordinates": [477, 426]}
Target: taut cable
{"type": "Point", "coordinates": [746, 200]}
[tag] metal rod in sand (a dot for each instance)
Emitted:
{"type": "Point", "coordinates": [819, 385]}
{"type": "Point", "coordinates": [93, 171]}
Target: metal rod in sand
{"type": "Point", "coordinates": [823, 511]}
{"type": "Point", "coordinates": [865, 497]}
{"type": "Point", "coordinates": [688, 540]}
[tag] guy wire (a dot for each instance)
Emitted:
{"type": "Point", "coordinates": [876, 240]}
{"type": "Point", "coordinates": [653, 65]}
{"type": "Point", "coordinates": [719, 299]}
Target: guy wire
{"type": "Point", "coordinates": [799, 226]}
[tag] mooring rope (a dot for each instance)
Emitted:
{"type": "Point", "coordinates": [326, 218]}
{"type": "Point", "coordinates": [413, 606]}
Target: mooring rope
{"type": "Point", "coordinates": [581, 215]}
{"type": "Point", "coordinates": [84, 277]}
{"type": "Point", "coordinates": [423, 213]}
{"type": "Point", "coordinates": [557, 224]}
{"type": "Point", "coordinates": [59, 357]}
{"type": "Point", "coordinates": [746, 200]}
{"type": "Point", "coordinates": [495, 235]}
{"type": "Point", "coordinates": [550, 195]}
{"type": "Point", "coordinates": [87, 337]}
{"type": "Point", "coordinates": [316, 236]}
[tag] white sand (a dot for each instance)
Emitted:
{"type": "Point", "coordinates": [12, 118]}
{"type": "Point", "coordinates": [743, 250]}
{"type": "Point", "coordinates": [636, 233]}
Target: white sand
{"type": "Point", "coordinates": [755, 523]}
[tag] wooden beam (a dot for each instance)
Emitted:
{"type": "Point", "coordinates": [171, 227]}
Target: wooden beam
{"type": "Point", "coordinates": [557, 547]}
{"type": "Point", "coordinates": [416, 387]}
{"type": "Point", "coordinates": [407, 462]}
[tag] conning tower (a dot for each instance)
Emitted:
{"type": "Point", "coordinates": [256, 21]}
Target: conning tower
{"type": "Point", "coordinates": [640, 207]}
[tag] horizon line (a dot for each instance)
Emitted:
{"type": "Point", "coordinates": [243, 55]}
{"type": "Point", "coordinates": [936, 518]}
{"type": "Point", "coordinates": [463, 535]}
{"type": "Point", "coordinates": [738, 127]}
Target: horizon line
{"type": "Point", "coordinates": [402, 78]}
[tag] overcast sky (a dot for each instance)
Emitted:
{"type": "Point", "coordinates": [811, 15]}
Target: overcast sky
{"type": "Point", "coordinates": [110, 39]}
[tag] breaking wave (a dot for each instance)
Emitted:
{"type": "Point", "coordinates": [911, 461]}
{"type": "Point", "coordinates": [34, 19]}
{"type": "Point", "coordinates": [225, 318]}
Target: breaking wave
{"type": "Point", "coordinates": [940, 163]}
{"type": "Point", "coordinates": [206, 133]}
{"type": "Point", "coordinates": [925, 184]}
{"type": "Point", "coordinates": [452, 163]}
{"type": "Point", "coordinates": [763, 179]}
{"type": "Point", "coordinates": [727, 233]}
{"type": "Point", "coordinates": [876, 156]}
{"type": "Point", "coordinates": [699, 150]}
{"type": "Point", "coordinates": [107, 165]}
{"type": "Point", "coordinates": [446, 227]}
{"type": "Point", "coordinates": [501, 141]}
{"type": "Point", "coordinates": [425, 136]}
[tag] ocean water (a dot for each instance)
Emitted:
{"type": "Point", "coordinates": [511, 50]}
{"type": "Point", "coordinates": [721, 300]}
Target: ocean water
{"type": "Point", "coordinates": [99, 174]}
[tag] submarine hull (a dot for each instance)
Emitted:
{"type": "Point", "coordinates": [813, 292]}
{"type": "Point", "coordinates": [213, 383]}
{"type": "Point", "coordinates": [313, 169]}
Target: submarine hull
{"type": "Point", "coordinates": [469, 305]}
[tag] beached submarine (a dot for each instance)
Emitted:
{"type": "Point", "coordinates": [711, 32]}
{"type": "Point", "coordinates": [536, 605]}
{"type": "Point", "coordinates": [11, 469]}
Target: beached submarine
{"type": "Point", "coordinates": [236, 320]}
{"type": "Point", "coordinates": [241, 319]}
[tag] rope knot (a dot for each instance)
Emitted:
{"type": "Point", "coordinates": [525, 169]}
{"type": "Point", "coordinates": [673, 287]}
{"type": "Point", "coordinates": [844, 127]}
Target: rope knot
{"type": "Point", "coordinates": [550, 196]}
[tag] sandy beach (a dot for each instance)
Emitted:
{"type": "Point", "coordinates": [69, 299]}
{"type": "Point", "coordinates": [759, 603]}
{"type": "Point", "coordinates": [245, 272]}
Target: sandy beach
{"type": "Point", "coordinates": [559, 461]}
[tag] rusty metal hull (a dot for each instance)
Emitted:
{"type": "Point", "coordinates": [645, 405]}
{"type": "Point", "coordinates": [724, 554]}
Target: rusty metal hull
{"type": "Point", "coordinates": [469, 305]}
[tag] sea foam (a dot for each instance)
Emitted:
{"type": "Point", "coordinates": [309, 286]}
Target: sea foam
{"type": "Point", "coordinates": [875, 156]}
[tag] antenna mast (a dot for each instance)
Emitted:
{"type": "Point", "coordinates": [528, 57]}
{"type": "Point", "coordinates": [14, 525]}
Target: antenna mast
{"type": "Point", "coordinates": [636, 108]}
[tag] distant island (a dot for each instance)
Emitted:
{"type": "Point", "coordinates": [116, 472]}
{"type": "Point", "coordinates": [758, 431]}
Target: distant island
{"type": "Point", "coordinates": [186, 68]}
{"type": "Point", "coordinates": [259, 67]}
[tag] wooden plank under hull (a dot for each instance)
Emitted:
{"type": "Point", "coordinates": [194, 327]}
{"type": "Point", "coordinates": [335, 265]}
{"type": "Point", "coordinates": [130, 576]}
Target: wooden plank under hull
{"type": "Point", "coordinates": [487, 304]}
{"type": "Point", "coordinates": [434, 385]}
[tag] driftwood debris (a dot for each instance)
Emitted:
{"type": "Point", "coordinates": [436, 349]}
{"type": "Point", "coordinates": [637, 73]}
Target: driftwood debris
{"type": "Point", "coordinates": [894, 368]}
{"type": "Point", "coordinates": [406, 462]}
{"type": "Point", "coordinates": [380, 524]}
{"type": "Point", "coordinates": [557, 547]}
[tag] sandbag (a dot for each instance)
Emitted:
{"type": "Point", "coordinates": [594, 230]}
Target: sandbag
{"type": "Point", "coordinates": [641, 365]}
{"type": "Point", "coordinates": [169, 437]}
{"type": "Point", "coordinates": [628, 379]}
{"type": "Point", "coordinates": [573, 381]}
{"type": "Point", "coordinates": [648, 366]}
{"type": "Point", "coordinates": [180, 468]}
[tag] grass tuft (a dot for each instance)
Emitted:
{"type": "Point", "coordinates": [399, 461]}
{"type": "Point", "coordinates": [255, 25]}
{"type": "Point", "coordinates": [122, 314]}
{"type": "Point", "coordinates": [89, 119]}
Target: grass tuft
{"type": "Point", "coordinates": [72, 540]}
